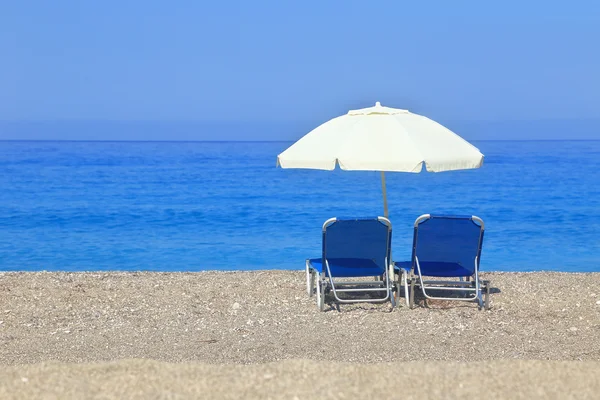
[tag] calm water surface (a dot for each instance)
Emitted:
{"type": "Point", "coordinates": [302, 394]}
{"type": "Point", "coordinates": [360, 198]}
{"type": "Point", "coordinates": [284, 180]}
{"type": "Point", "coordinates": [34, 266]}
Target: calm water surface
{"type": "Point", "coordinates": [175, 206]}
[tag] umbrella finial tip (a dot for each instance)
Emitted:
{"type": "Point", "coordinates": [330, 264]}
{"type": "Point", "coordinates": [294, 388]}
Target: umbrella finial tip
{"type": "Point", "coordinates": [377, 104]}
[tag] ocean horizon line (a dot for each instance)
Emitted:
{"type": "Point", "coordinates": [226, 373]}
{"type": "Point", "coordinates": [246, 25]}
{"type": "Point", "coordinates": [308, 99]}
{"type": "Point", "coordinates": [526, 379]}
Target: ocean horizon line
{"type": "Point", "coordinates": [249, 141]}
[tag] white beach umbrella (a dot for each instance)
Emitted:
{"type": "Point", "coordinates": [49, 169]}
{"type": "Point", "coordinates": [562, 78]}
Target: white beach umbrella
{"type": "Point", "coordinates": [381, 139]}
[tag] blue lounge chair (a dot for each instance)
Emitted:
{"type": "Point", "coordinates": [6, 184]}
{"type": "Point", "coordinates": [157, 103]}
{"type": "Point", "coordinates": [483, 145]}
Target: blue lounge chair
{"type": "Point", "coordinates": [448, 247]}
{"type": "Point", "coordinates": [353, 248]}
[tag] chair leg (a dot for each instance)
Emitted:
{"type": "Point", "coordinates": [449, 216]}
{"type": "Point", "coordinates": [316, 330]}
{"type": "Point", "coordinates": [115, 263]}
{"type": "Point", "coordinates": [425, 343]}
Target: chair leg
{"type": "Point", "coordinates": [405, 283]}
{"type": "Point", "coordinates": [320, 295]}
{"type": "Point", "coordinates": [309, 285]}
{"type": "Point", "coordinates": [412, 294]}
{"type": "Point", "coordinates": [486, 302]}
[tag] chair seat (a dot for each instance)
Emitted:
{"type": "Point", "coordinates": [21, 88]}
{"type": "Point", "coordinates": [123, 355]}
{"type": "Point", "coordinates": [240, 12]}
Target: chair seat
{"type": "Point", "coordinates": [437, 268]}
{"type": "Point", "coordinates": [348, 267]}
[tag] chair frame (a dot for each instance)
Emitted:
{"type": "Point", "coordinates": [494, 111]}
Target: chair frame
{"type": "Point", "coordinates": [325, 282]}
{"type": "Point", "coordinates": [475, 288]}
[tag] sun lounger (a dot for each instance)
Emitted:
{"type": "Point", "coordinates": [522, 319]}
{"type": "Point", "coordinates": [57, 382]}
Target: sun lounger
{"type": "Point", "coordinates": [446, 246]}
{"type": "Point", "coordinates": [358, 249]}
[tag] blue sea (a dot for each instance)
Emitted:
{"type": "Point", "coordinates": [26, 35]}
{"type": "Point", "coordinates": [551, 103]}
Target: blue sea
{"type": "Point", "coordinates": [190, 206]}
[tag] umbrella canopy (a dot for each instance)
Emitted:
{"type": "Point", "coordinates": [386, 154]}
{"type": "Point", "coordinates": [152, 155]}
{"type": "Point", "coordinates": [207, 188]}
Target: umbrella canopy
{"type": "Point", "coordinates": [381, 139]}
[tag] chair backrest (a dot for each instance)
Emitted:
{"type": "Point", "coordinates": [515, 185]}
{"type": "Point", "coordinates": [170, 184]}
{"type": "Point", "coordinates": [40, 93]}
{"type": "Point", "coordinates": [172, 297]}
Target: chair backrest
{"type": "Point", "coordinates": [447, 239]}
{"type": "Point", "coordinates": [358, 238]}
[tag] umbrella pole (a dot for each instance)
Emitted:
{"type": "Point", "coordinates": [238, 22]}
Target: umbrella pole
{"type": "Point", "coordinates": [385, 214]}
{"type": "Point", "coordinates": [385, 207]}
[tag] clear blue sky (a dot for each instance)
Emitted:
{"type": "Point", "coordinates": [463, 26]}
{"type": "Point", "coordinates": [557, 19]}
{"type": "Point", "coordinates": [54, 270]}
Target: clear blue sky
{"type": "Point", "coordinates": [281, 63]}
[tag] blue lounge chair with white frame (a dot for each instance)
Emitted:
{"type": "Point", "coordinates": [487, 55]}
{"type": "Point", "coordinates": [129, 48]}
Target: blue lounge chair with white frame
{"type": "Point", "coordinates": [353, 248]}
{"type": "Point", "coordinates": [447, 246]}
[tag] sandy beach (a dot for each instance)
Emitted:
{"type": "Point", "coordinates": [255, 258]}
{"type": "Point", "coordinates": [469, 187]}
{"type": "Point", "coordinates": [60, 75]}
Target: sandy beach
{"type": "Point", "coordinates": [257, 334]}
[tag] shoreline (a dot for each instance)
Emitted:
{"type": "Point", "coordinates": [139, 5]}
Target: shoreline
{"type": "Point", "coordinates": [229, 271]}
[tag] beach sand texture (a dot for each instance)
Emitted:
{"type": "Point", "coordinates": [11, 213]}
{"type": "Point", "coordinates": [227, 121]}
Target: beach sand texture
{"type": "Point", "coordinates": [176, 335]}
